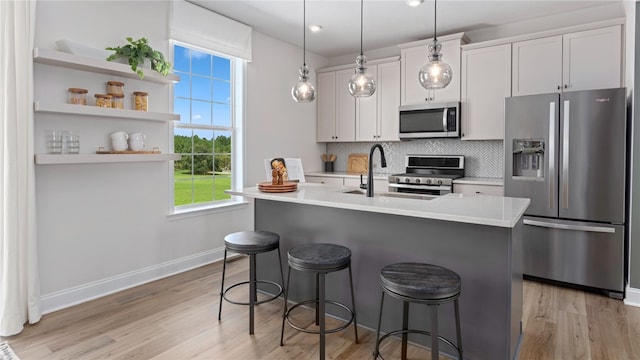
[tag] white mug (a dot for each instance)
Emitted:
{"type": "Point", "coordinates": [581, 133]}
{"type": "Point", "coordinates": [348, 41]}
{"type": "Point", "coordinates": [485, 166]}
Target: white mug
{"type": "Point", "coordinates": [119, 135]}
{"type": "Point", "coordinates": [136, 145]}
{"type": "Point", "coordinates": [119, 145]}
{"type": "Point", "coordinates": [137, 136]}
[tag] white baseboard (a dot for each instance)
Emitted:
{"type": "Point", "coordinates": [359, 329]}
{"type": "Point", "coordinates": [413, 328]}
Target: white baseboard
{"type": "Point", "coordinates": [632, 297]}
{"type": "Point", "coordinates": [83, 293]}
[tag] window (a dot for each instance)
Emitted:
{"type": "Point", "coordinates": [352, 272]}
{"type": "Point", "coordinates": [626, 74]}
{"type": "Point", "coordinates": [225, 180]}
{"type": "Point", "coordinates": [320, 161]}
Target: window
{"type": "Point", "coordinates": [204, 99]}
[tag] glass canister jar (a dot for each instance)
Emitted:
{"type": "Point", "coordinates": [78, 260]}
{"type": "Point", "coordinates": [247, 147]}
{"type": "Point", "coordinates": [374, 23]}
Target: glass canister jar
{"type": "Point", "coordinates": [103, 100]}
{"type": "Point", "coordinates": [140, 101]}
{"type": "Point", "coordinates": [115, 88]}
{"type": "Point", "coordinates": [117, 101]}
{"type": "Point", "coordinates": [78, 96]}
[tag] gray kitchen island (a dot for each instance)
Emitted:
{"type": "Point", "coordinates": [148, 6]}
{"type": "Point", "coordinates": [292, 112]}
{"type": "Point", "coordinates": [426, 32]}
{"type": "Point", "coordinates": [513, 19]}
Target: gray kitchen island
{"type": "Point", "coordinates": [479, 237]}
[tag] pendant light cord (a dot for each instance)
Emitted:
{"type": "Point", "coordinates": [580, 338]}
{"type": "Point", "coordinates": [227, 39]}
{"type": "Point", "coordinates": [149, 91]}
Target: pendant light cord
{"type": "Point", "coordinates": [304, 31]}
{"type": "Point", "coordinates": [361, 8]}
{"type": "Point", "coordinates": [435, 19]}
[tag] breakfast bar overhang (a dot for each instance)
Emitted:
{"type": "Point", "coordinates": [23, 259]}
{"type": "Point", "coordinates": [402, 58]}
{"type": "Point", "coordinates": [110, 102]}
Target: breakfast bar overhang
{"type": "Point", "coordinates": [478, 237]}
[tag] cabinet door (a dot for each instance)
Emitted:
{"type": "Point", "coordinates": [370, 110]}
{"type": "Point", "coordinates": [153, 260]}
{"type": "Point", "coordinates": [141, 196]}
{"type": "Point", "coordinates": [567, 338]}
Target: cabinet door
{"type": "Point", "coordinates": [592, 59]}
{"type": "Point", "coordinates": [486, 81]}
{"type": "Point", "coordinates": [327, 180]}
{"type": "Point", "coordinates": [388, 101]}
{"type": "Point", "coordinates": [366, 111]}
{"type": "Point", "coordinates": [537, 66]}
{"type": "Point", "coordinates": [345, 107]}
{"type": "Point", "coordinates": [326, 111]}
{"type": "Point", "coordinates": [413, 59]}
{"type": "Point", "coordinates": [495, 190]}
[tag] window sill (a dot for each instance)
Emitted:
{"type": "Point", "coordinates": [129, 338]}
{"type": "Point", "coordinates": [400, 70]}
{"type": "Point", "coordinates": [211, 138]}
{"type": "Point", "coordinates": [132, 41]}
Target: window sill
{"type": "Point", "coordinates": [207, 209]}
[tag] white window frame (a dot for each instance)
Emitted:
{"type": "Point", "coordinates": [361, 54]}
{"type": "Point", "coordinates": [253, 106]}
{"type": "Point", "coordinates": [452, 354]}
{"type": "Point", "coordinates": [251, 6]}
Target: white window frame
{"type": "Point", "coordinates": [238, 80]}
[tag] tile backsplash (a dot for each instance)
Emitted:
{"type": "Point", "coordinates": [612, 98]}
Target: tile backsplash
{"type": "Point", "coordinates": [482, 158]}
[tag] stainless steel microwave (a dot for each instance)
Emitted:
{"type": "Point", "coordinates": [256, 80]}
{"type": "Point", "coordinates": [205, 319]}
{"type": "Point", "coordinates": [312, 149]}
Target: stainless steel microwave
{"type": "Point", "coordinates": [429, 121]}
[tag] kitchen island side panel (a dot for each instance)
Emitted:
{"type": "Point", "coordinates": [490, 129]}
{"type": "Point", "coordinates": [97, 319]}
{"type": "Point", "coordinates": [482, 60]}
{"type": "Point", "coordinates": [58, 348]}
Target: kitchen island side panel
{"type": "Point", "coordinates": [487, 258]}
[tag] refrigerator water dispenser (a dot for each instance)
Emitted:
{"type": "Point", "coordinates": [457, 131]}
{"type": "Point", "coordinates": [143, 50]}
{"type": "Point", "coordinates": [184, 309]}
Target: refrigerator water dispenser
{"type": "Point", "coordinates": [528, 159]}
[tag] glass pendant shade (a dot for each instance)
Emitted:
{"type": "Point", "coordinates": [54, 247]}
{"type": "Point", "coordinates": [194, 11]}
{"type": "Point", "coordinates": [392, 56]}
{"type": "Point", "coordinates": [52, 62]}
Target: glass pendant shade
{"type": "Point", "coordinates": [362, 84]}
{"type": "Point", "coordinates": [436, 74]}
{"type": "Point", "coordinates": [303, 91]}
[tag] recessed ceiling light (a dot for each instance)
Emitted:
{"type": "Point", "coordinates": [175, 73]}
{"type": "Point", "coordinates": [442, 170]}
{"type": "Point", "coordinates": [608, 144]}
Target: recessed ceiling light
{"type": "Point", "coordinates": [315, 28]}
{"type": "Point", "coordinates": [414, 3]}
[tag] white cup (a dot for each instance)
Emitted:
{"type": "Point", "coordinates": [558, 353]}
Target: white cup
{"type": "Point", "coordinates": [119, 144]}
{"type": "Point", "coordinates": [137, 137]}
{"type": "Point", "coordinates": [119, 135]}
{"type": "Point", "coordinates": [136, 145]}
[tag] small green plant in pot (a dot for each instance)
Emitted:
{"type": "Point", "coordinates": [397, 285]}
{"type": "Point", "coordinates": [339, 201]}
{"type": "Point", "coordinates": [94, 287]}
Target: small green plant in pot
{"type": "Point", "coordinates": [136, 52]}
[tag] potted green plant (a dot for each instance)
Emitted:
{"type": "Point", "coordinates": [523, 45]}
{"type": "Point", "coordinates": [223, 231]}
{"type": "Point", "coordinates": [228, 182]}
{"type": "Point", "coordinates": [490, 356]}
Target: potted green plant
{"type": "Point", "coordinates": [137, 52]}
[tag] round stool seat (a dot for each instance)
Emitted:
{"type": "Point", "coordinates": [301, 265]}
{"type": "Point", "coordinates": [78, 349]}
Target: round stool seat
{"type": "Point", "coordinates": [420, 281]}
{"type": "Point", "coordinates": [251, 242]}
{"type": "Point", "coordinates": [319, 257]}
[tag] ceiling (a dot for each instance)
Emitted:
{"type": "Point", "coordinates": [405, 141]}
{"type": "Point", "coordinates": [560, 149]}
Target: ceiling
{"type": "Point", "coordinates": [386, 22]}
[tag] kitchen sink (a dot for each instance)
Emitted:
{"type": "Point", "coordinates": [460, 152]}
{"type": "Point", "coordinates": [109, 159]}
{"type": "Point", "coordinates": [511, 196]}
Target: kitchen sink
{"type": "Point", "coordinates": [391, 194]}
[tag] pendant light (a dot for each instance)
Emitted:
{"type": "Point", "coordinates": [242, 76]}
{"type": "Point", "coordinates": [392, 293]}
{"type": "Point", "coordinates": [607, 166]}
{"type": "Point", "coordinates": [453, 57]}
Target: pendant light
{"type": "Point", "coordinates": [303, 91]}
{"type": "Point", "coordinates": [361, 84]}
{"type": "Point", "coordinates": [436, 74]}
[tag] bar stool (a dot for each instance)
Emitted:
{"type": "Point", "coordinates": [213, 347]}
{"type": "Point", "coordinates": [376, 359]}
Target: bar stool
{"type": "Point", "coordinates": [251, 243]}
{"type": "Point", "coordinates": [320, 259]}
{"type": "Point", "coordinates": [424, 284]}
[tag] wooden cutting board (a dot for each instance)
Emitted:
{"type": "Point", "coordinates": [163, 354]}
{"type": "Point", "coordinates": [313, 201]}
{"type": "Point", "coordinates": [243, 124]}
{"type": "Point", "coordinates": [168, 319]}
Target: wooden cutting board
{"type": "Point", "coordinates": [357, 163]}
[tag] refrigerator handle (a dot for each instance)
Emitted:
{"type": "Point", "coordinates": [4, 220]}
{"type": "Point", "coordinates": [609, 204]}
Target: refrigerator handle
{"type": "Point", "coordinates": [552, 151]}
{"type": "Point", "coordinates": [565, 155]}
{"type": "Point", "coordinates": [445, 115]}
{"type": "Point", "coordinates": [599, 229]}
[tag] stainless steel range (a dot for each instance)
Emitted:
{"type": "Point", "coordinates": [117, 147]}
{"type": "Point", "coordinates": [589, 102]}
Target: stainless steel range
{"type": "Point", "coordinates": [428, 174]}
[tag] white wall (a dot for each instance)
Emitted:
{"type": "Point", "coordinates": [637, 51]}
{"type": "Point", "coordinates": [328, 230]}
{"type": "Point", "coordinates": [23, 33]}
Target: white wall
{"type": "Point", "coordinates": [276, 125]}
{"type": "Point", "coordinates": [105, 227]}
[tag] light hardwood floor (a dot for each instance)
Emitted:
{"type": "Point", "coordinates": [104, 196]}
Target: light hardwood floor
{"type": "Point", "coordinates": [176, 318]}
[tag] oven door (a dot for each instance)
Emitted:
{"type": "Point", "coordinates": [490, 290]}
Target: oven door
{"type": "Point", "coordinates": [436, 190]}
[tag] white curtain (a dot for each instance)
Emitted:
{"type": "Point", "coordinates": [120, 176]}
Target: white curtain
{"type": "Point", "coordinates": [19, 285]}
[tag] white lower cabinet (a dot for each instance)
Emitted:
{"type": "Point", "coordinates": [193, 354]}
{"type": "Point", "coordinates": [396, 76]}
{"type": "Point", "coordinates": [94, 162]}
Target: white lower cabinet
{"type": "Point", "coordinates": [379, 185]}
{"type": "Point", "coordinates": [327, 180]}
{"type": "Point", "coordinates": [496, 190]}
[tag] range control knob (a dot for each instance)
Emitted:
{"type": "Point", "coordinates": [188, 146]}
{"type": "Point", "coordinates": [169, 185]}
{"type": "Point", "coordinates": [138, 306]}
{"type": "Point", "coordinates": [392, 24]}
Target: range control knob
{"type": "Point", "coordinates": [417, 181]}
{"type": "Point", "coordinates": [407, 180]}
{"type": "Point", "coordinates": [439, 182]}
{"type": "Point", "coordinates": [428, 181]}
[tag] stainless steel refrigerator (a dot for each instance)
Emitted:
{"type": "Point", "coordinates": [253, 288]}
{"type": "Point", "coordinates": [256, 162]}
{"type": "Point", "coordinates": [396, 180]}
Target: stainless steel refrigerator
{"type": "Point", "coordinates": [567, 153]}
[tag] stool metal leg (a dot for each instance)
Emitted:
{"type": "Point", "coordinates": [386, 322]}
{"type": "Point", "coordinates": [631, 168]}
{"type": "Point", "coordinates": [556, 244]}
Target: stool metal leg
{"type": "Point", "coordinates": [377, 349]}
{"type": "Point", "coordinates": [318, 298]}
{"type": "Point", "coordinates": [458, 332]}
{"type": "Point", "coordinates": [224, 267]}
{"type": "Point", "coordinates": [252, 290]}
{"type": "Point", "coordinates": [435, 352]}
{"type": "Point", "coordinates": [280, 267]}
{"type": "Point", "coordinates": [284, 313]}
{"type": "Point", "coordinates": [405, 327]}
{"type": "Point", "coordinates": [353, 306]}
{"type": "Point", "coordinates": [321, 312]}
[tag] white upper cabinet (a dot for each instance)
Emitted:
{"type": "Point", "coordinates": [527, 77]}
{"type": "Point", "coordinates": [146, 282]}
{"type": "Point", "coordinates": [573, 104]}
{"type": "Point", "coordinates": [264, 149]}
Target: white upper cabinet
{"type": "Point", "coordinates": [415, 55]}
{"type": "Point", "coordinates": [342, 118]}
{"type": "Point", "coordinates": [377, 115]}
{"type": "Point", "coordinates": [326, 110]}
{"type": "Point", "coordinates": [336, 107]}
{"type": "Point", "coordinates": [583, 60]}
{"type": "Point", "coordinates": [486, 81]}
{"type": "Point", "coordinates": [592, 59]}
{"type": "Point", "coordinates": [537, 66]}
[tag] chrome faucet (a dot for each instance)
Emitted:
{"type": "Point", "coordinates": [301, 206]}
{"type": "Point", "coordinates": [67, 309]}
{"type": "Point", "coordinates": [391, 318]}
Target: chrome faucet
{"type": "Point", "coordinates": [383, 163]}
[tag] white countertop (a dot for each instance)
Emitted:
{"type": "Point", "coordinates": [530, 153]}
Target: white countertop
{"type": "Point", "coordinates": [474, 209]}
{"type": "Point", "coordinates": [342, 174]}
